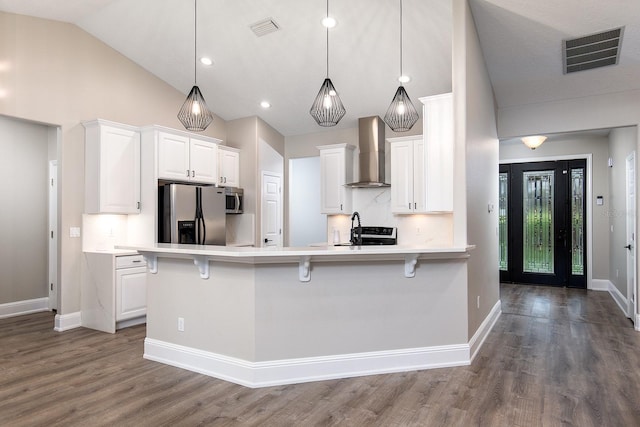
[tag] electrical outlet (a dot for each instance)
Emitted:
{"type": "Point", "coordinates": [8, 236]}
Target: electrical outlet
{"type": "Point", "coordinates": [478, 301]}
{"type": "Point", "coordinates": [181, 324]}
{"type": "Point", "coordinates": [74, 231]}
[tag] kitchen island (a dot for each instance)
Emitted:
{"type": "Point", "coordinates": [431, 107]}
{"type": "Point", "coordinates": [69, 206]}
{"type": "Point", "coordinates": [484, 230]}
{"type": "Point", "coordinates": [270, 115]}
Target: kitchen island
{"type": "Point", "coordinates": [267, 316]}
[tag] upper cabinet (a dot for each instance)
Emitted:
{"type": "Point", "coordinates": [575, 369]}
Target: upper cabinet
{"type": "Point", "coordinates": [422, 166]}
{"type": "Point", "coordinates": [185, 158]}
{"type": "Point", "coordinates": [439, 149]}
{"type": "Point", "coordinates": [407, 175]}
{"type": "Point", "coordinates": [228, 166]}
{"type": "Point", "coordinates": [112, 168]}
{"type": "Point", "coordinates": [336, 170]}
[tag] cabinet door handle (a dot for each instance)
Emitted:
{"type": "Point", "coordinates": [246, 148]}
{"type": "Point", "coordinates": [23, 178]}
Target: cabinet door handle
{"type": "Point", "coordinates": [225, 179]}
{"type": "Point", "coordinates": [136, 260]}
{"type": "Point", "coordinates": [340, 206]}
{"type": "Point", "coordinates": [415, 206]}
{"type": "Point", "coordinates": [187, 173]}
{"type": "Point", "coordinates": [193, 174]}
{"type": "Point", "coordinates": [409, 205]}
{"type": "Point", "coordinates": [137, 205]}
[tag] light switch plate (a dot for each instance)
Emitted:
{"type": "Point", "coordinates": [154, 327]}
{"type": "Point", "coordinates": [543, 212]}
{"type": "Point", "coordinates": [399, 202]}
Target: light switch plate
{"type": "Point", "coordinates": [74, 231]}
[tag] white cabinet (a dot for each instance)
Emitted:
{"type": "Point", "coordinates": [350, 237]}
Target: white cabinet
{"type": "Point", "coordinates": [336, 170]}
{"type": "Point", "coordinates": [228, 166]}
{"type": "Point", "coordinates": [131, 287]}
{"type": "Point", "coordinates": [185, 158]}
{"type": "Point", "coordinates": [439, 150]}
{"type": "Point", "coordinates": [113, 291]}
{"type": "Point", "coordinates": [407, 175]}
{"type": "Point", "coordinates": [112, 168]}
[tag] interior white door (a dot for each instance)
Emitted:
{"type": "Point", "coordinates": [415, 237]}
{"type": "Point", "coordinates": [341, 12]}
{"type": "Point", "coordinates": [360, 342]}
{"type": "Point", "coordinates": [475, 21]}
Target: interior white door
{"type": "Point", "coordinates": [271, 209]}
{"type": "Point", "coordinates": [631, 235]}
{"type": "Point", "coordinates": [53, 235]}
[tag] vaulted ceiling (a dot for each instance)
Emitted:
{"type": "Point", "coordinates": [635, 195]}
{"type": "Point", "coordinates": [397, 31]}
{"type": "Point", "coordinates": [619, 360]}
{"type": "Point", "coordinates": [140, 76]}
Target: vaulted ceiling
{"type": "Point", "coordinates": [521, 41]}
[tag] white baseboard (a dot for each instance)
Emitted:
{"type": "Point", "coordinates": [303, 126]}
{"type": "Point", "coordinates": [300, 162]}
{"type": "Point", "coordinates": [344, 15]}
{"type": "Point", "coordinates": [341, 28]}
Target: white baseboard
{"type": "Point", "coordinates": [599, 285]}
{"type": "Point", "coordinates": [64, 322]}
{"type": "Point", "coordinates": [19, 308]}
{"type": "Point", "coordinates": [617, 296]}
{"type": "Point", "coordinates": [487, 325]}
{"type": "Point", "coordinates": [292, 371]}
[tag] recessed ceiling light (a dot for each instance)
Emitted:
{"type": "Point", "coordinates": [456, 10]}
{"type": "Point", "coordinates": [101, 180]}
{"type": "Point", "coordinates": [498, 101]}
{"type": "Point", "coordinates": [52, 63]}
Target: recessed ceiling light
{"type": "Point", "coordinates": [265, 104]}
{"type": "Point", "coordinates": [206, 61]}
{"type": "Point", "coordinates": [404, 79]}
{"type": "Point", "coordinates": [329, 22]}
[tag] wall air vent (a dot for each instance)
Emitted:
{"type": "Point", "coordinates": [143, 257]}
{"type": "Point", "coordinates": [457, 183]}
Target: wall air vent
{"type": "Point", "coordinates": [592, 51]}
{"type": "Point", "coordinates": [264, 27]}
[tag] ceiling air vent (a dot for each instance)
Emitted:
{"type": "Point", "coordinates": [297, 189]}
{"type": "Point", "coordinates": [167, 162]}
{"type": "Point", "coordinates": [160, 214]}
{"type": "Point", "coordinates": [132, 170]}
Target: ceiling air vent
{"type": "Point", "coordinates": [264, 27]}
{"type": "Point", "coordinates": [593, 51]}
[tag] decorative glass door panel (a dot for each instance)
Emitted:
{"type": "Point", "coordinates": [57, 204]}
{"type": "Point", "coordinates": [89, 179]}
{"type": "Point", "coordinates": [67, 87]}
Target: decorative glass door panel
{"type": "Point", "coordinates": [503, 218]}
{"type": "Point", "coordinates": [542, 223]}
{"type": "Point", "coordinates": [537, 226]}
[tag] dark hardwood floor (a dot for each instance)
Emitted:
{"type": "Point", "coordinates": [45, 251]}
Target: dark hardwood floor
{"type": "Point", "coordinates": [556, 357]}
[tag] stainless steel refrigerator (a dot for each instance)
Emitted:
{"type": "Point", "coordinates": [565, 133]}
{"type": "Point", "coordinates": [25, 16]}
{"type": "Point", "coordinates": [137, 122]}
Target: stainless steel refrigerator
{"type": "Point", "coordinates": [192, 214]}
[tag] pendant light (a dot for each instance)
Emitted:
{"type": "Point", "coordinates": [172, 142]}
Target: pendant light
{"type": "Point", "coordinates": [194, 114]}
{"type": "Point", "coordinates": [327, 109]}
{"type": "Point", "coordinates": [401, 114]}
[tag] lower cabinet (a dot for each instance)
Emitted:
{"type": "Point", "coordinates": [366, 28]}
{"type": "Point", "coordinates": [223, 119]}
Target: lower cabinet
{"type": "Point", "coordinates": [131, 287]}
{"type": "Point", "coordinates": [114, 291]}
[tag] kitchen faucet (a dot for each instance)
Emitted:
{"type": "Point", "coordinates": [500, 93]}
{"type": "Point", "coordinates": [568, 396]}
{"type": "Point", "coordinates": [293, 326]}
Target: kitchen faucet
{"type": "Point", "coordinates": [356, 233]}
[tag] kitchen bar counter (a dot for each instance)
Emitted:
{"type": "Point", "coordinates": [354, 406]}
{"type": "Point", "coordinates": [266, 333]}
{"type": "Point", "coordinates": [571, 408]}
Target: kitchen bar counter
{"type": "Point", "coordinates": [302, 255]}
{"type": "Point", "coordinates": [268, 316]}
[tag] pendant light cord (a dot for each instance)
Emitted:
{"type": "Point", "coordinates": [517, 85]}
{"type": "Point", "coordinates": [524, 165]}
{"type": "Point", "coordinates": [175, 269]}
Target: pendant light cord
{"type": "Point", "coordinates": [327, 41]}
{"type": "Point", "coordinates": [195, 43]}
{"type": "Point", "coordinates": [401, 40]}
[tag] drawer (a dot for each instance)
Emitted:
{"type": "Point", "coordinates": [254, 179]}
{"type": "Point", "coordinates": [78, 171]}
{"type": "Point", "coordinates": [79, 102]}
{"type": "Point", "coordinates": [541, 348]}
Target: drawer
{"type": "Point", "coordinates": [128, 261]}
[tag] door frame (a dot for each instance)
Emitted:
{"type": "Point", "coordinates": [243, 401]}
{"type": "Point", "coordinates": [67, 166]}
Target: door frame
{"type": "Point", "coordinates": [589, 196]}
{"type": "Point", "coordinates": [53, 236]}
{"type": "Point", "coordinates": [630, 228]}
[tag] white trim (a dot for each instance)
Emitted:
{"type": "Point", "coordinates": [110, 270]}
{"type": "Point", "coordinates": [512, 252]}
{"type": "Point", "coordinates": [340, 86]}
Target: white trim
{"type": "Point", "coordinates": [636, 324]}
{"type": "Point", "coordinates": [293, 371]}
{"type": "Point", "coordinates": [477, 340]}
{"type": "Point", "coordinates": [64, 322]}
{"type": "Point", "coordinates": [19, 308]}
{"type": "Point", "coordinates": [620, 299]}
{"type": "Point", "coordinates": [599, 285]}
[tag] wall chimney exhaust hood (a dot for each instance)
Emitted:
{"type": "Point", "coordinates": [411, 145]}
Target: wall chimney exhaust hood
{"type": "Point", "coordinates": [371, 157]}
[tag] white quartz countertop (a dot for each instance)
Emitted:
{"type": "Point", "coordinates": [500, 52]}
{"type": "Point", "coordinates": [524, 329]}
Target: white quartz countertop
{"type": "Point", "coordinates": [252, 254]}
{"type": "Point", "coordinates": [303, 256]}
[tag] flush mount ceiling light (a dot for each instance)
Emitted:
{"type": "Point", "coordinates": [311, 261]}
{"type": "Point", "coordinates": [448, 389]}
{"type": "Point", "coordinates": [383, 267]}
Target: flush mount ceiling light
{"type": "Point", "coordinates": [194, 114]}
{"type": "Point", "coordinates": [533, 141]}
{"type": "Point", "coordinates": [206, 60]}
{"type": "Point", "coordinates": [327, 109]}
{"type": "Point", "coordinates": [265, 104]}
{"type": "Point", "coordinates": [401, 114]}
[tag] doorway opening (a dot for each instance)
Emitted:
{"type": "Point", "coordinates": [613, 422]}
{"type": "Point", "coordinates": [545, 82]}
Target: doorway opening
{"type": "Point", "coordinates": [543, 223]}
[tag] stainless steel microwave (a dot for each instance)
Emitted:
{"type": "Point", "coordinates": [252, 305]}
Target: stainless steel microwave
{"type": "Point", "coordinates": [234, 200]}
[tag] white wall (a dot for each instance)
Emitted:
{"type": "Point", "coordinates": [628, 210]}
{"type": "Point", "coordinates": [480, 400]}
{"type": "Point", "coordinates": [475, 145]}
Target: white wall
{"type": "Point", "coordinates": [476, 132]}
{"type": "Point", "coordinates": [24, 195]}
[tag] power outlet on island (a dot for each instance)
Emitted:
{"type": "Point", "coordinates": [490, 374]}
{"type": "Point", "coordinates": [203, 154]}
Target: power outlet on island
{"type": "Point", "coordinates": [181, 324]}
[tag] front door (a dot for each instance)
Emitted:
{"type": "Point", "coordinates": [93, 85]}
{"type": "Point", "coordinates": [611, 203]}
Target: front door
{"type": "Point", "coordinates": [543, 223]}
